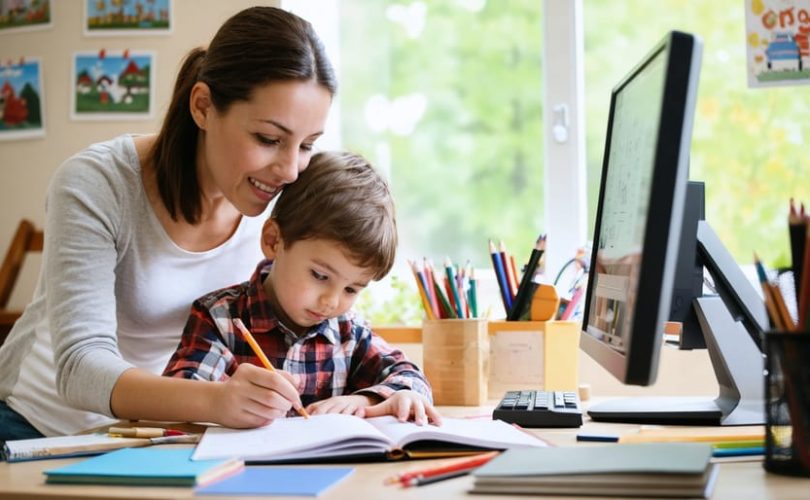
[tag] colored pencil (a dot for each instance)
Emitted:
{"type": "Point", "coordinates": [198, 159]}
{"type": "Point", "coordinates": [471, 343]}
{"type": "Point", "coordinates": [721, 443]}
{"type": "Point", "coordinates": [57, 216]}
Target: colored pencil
{"type": "Point", "coordinates": [804, 298]}
{"type": "Point", "coordinates": [738, 452]}
{"type": "Point", "coordinates": [472, 292]}
{"type": "Point", "coordinates": [260, 354]}
{"type": "Point", "coordinates": [523, 296]}
{"type": "Point", "coordinates": [422, 481]}
{"type": "Point", "coordinates": [447, 308]}
{"type": "Point", "coordinates": [456, 465]}
{"type": "Point", "coordinates": [434, 300]}
{"type": "Point", "coordinates": [767, 295]}
{"type": "Point", "coordinates": [798, 230]}
{"type": "Point", "coordinates": [421, 285]}
{"type": "Point", "coordinates": [509, 271]}
{"type": "Point", "coordinates": [572, 304]}
{"type": "Point", "coordinates": [497, 265]}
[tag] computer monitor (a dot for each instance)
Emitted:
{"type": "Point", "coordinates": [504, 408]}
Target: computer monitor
{"type": "Point", "coordinates": [637, 240]}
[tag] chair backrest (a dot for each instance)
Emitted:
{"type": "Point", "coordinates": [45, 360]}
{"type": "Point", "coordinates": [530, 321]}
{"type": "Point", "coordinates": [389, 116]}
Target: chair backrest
{"type": "Point", "coordinates": [27, 239]}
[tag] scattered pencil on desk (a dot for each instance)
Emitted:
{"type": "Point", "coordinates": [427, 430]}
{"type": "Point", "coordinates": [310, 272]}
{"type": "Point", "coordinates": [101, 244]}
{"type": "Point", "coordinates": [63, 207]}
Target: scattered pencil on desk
{"type": "Point", "coordinates": [260, 354]}
{"type": "Point", "coordinates": [143, 432]}
{"type": "Point", "coordinates": [465, 465]}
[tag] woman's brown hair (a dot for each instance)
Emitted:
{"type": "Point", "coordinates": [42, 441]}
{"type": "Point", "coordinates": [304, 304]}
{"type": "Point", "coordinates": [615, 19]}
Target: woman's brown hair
{"type": "Point", "coordinates": [256, 46]}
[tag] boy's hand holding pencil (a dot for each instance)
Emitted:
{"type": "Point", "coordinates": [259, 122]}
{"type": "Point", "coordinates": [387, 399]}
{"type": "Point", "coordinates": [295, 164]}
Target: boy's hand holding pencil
{"type": "Point", "coordinates": [255, 396]}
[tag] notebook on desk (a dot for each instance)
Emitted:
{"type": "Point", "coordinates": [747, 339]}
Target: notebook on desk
{"type": "Point", "coordinates": [144, 466]}
{"type": "Point", "coordinates": [625, 470]}
{"type": "Point", "coordinates": [335, 437]}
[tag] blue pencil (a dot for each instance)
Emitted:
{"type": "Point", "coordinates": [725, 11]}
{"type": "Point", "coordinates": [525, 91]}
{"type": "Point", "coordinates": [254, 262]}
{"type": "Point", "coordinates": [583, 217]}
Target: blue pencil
{"type": "Point", "coordinates": [738, 452]}
{"type": "Point", "coordinates": [499, 274]}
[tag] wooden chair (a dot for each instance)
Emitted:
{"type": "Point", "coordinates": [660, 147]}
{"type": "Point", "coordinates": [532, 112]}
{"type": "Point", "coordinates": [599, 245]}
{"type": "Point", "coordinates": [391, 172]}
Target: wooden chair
{"type": "Point", "coordinates": [27, 239]}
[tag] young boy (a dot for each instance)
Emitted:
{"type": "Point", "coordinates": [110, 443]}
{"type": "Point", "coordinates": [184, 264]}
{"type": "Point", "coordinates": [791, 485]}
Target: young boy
{"type": "Point", "coordinates": [330, 233]}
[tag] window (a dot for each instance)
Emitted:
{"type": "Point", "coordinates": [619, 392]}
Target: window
{"type": "Point", "coordinates": [747, 143]}
{"type": "Point", "coordinates": [446, 99]}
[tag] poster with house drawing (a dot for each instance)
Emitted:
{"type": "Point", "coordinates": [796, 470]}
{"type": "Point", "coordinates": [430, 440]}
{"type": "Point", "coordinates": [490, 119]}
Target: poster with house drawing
{"type": "Point", "coordinates": [127, 17]}
{"type": "Point", "coordinates": [112, 85]}
{"type": "Point", "coordinates": [24, 15]}
{"type": "Point", "coordinates": [22, 107]}
{"type": "Point", "coordinates": [777, 44]}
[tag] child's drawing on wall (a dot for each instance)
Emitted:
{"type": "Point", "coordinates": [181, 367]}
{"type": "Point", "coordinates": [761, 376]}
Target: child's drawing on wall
{"type": "Point", "coordinates": [21, 103]}
{"type": "Point", "coordinates": [112, 85]}
{"type": "Point", "coordinates": [777, 42]}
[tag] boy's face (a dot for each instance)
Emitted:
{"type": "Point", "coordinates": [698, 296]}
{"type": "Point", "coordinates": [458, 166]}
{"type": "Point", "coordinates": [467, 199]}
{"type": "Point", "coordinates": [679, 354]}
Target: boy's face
{"type": "Point", "coordinates": [311, 281]}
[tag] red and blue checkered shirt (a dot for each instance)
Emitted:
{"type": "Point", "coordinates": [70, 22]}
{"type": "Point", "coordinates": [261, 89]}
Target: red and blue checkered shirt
{"type": "Point", "coordinates": [339, 356]}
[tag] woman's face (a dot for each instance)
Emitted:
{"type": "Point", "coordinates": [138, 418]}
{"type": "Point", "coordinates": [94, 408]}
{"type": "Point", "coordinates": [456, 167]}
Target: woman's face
{"type": "Point", "coordinates": [249, 152]}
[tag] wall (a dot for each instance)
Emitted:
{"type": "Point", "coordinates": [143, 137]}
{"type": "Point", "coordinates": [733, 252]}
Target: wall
{"type": "Point", "coordinates": [27, 165]}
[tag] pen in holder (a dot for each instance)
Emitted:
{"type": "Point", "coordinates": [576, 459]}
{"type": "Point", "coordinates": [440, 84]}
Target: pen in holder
{"type": "Point", "coordinates": [787, 403]}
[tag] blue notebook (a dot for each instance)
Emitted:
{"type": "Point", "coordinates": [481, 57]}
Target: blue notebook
{"type": "Point", "coordinates": [145, 466]}
{"type": "Point", "coordinates": [293, 481]}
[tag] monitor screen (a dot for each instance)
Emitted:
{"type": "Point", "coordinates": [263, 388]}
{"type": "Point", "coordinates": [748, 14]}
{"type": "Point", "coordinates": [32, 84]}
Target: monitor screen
{"type": "Point", "coordinates": [640, 210]}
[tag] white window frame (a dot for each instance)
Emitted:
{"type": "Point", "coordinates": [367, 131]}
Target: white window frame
{"type": "Point", "coordinates": [564, 173]}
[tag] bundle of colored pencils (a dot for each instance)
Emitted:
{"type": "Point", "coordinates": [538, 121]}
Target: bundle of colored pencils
{"type": "Point", "coordinates": [452, 294]}
{"type": "Point", "coordinates": [775, 303]}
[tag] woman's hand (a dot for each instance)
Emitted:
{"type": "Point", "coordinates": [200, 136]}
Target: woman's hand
{"type": "Point", "coordinates": [254, 397]}
{"type": "Point", "coordinates": [406, 405]}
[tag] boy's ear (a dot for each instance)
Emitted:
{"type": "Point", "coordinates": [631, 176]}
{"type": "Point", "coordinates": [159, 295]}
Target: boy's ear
{"type": "Point", "coordinates": [271, 238]}
{"type": "Point", "coordinates": [200, 103]}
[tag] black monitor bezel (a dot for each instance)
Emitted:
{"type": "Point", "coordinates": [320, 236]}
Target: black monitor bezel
{"type": "Point", "coordinates": [639, 365]}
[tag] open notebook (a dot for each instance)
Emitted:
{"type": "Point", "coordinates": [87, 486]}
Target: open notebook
{"type": "Point", "coordinates": [330, 437]}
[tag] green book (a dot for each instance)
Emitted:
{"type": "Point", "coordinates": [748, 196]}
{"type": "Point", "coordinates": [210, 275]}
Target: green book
{"type": "Point", "coordinates": [623, 470]}
{"type": "Point", "coordinates": [145, 466]}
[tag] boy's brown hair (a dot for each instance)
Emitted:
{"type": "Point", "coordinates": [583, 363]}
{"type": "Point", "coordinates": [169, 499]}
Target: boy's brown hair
{"type": "Point", "coordinates": [342, 198]}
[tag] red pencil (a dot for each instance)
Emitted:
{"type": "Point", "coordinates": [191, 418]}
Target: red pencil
{"type": "Point", "coordinates": [507, 270]}
{"type": "Point", "coordinates": [464, 464]}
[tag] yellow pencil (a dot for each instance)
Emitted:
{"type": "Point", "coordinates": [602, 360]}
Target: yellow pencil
{"type": "Point", "coordinates": [260, 354]}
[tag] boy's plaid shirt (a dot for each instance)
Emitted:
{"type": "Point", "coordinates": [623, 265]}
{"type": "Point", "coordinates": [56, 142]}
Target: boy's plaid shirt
{"type": "Point", "coordinates": [337, 357]}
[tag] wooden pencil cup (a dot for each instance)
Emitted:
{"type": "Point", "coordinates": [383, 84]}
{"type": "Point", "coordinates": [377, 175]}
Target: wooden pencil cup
{"type": "Point", "coordinates": [533, 355]}
{"type": "Point", "coordinates": [456, 360]}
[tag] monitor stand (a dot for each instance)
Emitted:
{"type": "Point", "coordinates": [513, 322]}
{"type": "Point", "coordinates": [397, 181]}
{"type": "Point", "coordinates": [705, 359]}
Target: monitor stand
{"type": "Point", "coordinates": [738, 365]}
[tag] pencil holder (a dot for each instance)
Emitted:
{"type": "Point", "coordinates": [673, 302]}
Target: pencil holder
{"type": "Point", "coordinates": [787, 403]}
{"type": "Point", "coordinates": [456, 360]}
{"type": "Point", "coordinates": [533, 355]}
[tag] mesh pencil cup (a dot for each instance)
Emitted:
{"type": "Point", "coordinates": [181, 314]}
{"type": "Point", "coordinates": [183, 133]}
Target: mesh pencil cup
{"type": "Point", "coordinates": [787, 403]}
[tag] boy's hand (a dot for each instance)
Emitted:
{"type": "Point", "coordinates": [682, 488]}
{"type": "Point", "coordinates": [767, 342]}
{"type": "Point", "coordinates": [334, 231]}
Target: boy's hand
{"type": "Point", "coordinates": [348, 405]}
{"type": "Point", "coordinates": [406, 405]}
{"type": "Point", "coordinates": [254, 396]}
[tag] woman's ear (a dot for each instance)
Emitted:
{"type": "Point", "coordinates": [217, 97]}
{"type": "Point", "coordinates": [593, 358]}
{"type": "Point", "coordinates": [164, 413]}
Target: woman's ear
{"type": "Point", "coordinates": [271, 238]}
{"type": "Point", "coordinates": [200, 104]}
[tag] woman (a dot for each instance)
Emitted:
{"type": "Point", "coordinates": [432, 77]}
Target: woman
{"type": "Point", "coordinates": [139, 226]}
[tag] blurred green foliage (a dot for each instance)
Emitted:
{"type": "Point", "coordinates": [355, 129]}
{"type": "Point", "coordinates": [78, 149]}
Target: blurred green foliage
{"type": "Point", "coordinates": [397, 303]}
{"type": "Point", "coordinates": [471, 169]}
{"type": "Point", "coordinates": [748, 143]}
